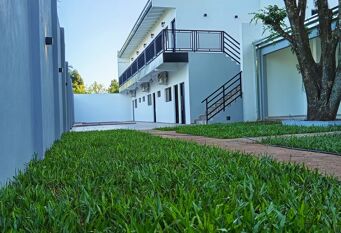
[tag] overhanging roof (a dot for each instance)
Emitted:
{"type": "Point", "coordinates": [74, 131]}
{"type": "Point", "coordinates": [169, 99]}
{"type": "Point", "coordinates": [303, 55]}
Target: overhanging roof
{"type": "Point", "coordinates": [271, 44]}
{"type": "Point", "coordinates": [147, 19]}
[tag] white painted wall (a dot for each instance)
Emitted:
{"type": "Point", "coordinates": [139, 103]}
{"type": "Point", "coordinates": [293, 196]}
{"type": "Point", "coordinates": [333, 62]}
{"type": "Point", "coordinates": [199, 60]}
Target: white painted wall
{"type": "Point", "coordinates": [207, 72]}
{"type": "Point", "coordinates": [286, 94]}
{"type": "Point", "coordinates": [220, 14]}
{"type": "Point", "coordinates": [102, 108]}
{"type": "Point", "coordinates": [285, 89]}
{"type": "Point", "coordinates": [165, 111]}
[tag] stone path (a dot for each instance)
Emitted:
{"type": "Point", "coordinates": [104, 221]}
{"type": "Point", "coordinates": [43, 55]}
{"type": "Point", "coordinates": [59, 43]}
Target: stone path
{"type": "Point", "coordinates": [324, 163]}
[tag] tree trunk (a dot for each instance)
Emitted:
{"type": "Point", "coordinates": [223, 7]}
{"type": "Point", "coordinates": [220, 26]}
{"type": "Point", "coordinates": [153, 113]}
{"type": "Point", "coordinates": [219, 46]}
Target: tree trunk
{"type": "Point", "coordinates": [322, 106]}
{"type": "Point", "coordinates": [321, 111]}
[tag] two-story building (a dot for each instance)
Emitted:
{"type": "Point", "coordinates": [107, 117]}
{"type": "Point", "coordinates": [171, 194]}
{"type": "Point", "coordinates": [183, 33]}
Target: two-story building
{"type": "Point", "coordinates": [192, 61]}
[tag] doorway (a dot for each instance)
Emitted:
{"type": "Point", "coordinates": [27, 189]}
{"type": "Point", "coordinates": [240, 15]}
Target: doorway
{"type": "Point", "coordinates": [133, 105]}
{"type": "Point", "coordinates": [154, 107]}
{"type": "Point", "coordinates": [176, 104]}
{"type": "Point", "coordinates": [183, 103]}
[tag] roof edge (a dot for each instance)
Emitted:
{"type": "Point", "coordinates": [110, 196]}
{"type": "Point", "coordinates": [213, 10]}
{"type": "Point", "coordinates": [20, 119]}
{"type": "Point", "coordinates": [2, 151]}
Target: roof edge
{"type": "Point", "coordinates": [140, 19]}
{"type": "Point", "coordinates": [310, 23]}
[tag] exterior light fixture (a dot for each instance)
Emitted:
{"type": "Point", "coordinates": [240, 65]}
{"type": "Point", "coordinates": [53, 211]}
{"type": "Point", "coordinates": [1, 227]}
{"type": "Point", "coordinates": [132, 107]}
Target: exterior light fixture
{"type": "Point", "coordinates": [163, 24]}
{"type": "Point", "coordinates": [145, 45]}
{"type": "Point", "coordinates": [236, 16]}
{"type": "Point", "coordinates": [205, 15]}
{"type": "Point", "coordinates": [48, 40]}
{"type": "Point", "coordinates": [137, 52]}
{"type": "Point", "coordinates": [132, 59]}
{"type": "Point", "coordinates": [152, 35]}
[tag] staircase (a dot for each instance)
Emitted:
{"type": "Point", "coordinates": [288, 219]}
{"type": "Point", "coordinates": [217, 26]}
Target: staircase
{"type": "Point", "coordinates": [222, 98]}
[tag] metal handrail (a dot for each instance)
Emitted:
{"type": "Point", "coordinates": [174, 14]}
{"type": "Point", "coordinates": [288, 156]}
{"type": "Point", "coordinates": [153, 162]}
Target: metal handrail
{"type": "Point", "coordinates": [222, 86]}
{"type": "Point", "coordinates": [227, 45]}
{"type": "Point", "coordinates": [231, 89]}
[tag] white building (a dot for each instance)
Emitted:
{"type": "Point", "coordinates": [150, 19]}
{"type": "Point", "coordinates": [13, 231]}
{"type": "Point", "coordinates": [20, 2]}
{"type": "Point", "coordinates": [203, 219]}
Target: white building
{"type": "Point", "coordinates": [185, 60]}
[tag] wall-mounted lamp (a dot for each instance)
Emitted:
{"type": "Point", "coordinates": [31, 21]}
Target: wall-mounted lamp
{"type": "Point", "coordinates": [132, 59]}
{"type": "Point", "coordinates": [137, 52]}
{"type": "Point", "coordinates": [152, 35]}
{"type": "Point", "coordinates": [48, 40]}
{"type": "Point", "coordinates": [236, 16]}
{"type": "Point", "coordinates": [60, 70]}
{"type": "Point", "coordinates": [205, 15]}
{"type": "Point", "coordinates": [163, 24]}
{"type": "Point", "coordinates": [144, 45]}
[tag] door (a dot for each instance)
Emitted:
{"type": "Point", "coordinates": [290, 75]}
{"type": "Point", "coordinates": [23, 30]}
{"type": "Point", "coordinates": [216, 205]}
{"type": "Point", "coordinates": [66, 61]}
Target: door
{"type": "Point", "coordinates": [154, 107]}
{"type": "Point", "coordinates": [133, 110]}
{"type": "Point", "coordinates": [176, 104]}
{"type": "Point", "coordinates": [173, 36]}
{"type": "Point", "coordinates": [183, 103]}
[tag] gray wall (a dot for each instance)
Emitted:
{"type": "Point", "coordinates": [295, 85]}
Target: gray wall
{"type": "Point", "coordinates": [32, 107]}
{"type": "Point", "coordinates": [208, 72]}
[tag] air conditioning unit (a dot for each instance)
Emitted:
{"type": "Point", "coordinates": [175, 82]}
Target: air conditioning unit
{"type": "Point", "coordinates": [145, 87]}
{"type": "Point", "coordinates": [162, 78]}
{"type": "Point", "coordinates": [132, 93]}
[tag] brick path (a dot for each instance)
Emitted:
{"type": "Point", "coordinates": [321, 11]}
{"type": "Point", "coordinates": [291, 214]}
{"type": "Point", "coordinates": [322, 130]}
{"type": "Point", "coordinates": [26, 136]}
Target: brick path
{"type": "Point", "coordinates": [324, 163]}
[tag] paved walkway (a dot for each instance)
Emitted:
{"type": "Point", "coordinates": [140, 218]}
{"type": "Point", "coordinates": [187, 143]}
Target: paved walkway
{"type": "Point", "coordinates": [324, 163]}
{"type": "Point", "coordinates": [102, 126]}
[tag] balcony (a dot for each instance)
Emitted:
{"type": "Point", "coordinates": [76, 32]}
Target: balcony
{"type": "Point", "coordinates": [181, 41]}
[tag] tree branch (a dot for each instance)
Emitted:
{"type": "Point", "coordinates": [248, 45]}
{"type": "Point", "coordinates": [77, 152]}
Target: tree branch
{"type": "Point", "coordinates": [302, 6]}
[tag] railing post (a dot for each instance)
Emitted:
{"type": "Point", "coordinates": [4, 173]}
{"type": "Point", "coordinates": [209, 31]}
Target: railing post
{"type": "Point", "coordinates": [195, 44]}
{"type": "Point", "coordinates": [206, 112]}
{"type": "Point", "coordinates": [154, 45]}
{"type": "Point", "coordinates": [222, 41]}
{"type": "Point", "coordinates": [224, 98]}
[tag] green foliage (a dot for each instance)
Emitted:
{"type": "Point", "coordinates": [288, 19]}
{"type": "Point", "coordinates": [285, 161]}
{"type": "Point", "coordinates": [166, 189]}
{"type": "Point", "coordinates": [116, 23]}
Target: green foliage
{"type": "Point", "coordinates": [114, 87]}
{"type": "Point", "coordinates": [326, 143]}
{"type": "Point", "coordinates": [77, 82]}
{"type": "Point", "coordinates": [125, 181]}
{"type": "Point", "coordinates": [248, 129]}
{"type": "Point", "coordinates": [96, 88]}
{"type": "Point", "coordinates": [272, 18]}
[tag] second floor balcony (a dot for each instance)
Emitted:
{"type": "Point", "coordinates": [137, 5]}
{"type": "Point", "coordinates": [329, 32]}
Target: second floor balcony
{"type": "Point", "coordinates": [183, 41]}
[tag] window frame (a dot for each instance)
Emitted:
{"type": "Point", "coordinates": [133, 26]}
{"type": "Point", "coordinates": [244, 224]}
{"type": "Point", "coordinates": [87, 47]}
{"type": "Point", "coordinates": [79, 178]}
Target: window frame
{"type": "Point", "coordinates": [149, 100]}
{"type": "Point", "coordinates": [168, 94]}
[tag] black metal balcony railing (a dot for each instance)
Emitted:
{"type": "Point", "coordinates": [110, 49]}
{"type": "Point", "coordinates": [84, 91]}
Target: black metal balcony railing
{"type": "Point", "coordinates": [169, 41]}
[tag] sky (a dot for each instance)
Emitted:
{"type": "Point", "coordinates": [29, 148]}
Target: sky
{"type": "Point", "coordinates": [94, 31]}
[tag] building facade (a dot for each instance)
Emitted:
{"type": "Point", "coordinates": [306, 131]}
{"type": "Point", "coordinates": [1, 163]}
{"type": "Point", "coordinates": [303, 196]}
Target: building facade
{"type": "Point", "coordinates": [36, 99]}
{"type": "Point", "coordinates": [185, 63]}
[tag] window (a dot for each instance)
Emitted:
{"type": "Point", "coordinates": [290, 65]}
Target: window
{"type": "Point", "coordinates": [159, 94]}
{"type": "Point", "coordinates": [139, 100]}
{"type": "Point", "coordinates": [135, 103]}
{"type": "Point", "coordinates": [149, 100]}
{"type": "Point", "coordinates": [168, 94]}
{"type": "Point", "coordinates": [144, 99]}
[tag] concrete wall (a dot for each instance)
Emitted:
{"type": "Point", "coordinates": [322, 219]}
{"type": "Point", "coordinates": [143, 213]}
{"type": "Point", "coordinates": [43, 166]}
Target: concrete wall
{"type": "Point", "coordinates": [285, 90]}
{"type": "Point", "coordinates": [250, 33]}
{"type": "Point", "coordinates": [208, 72]}
{"type": "Point", "coordinates": [30, 83]}
{"type": "Point", "coordinates": [102, 108]}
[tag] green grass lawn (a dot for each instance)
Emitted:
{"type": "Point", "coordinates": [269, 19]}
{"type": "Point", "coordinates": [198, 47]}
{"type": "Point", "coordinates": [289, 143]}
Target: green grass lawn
{"type": "Point", "coordinates": [246, 129]}
{"type": "Point", "coordinates": [326, 143]}
{"type": "Point", "coordinates": [125, 181]}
